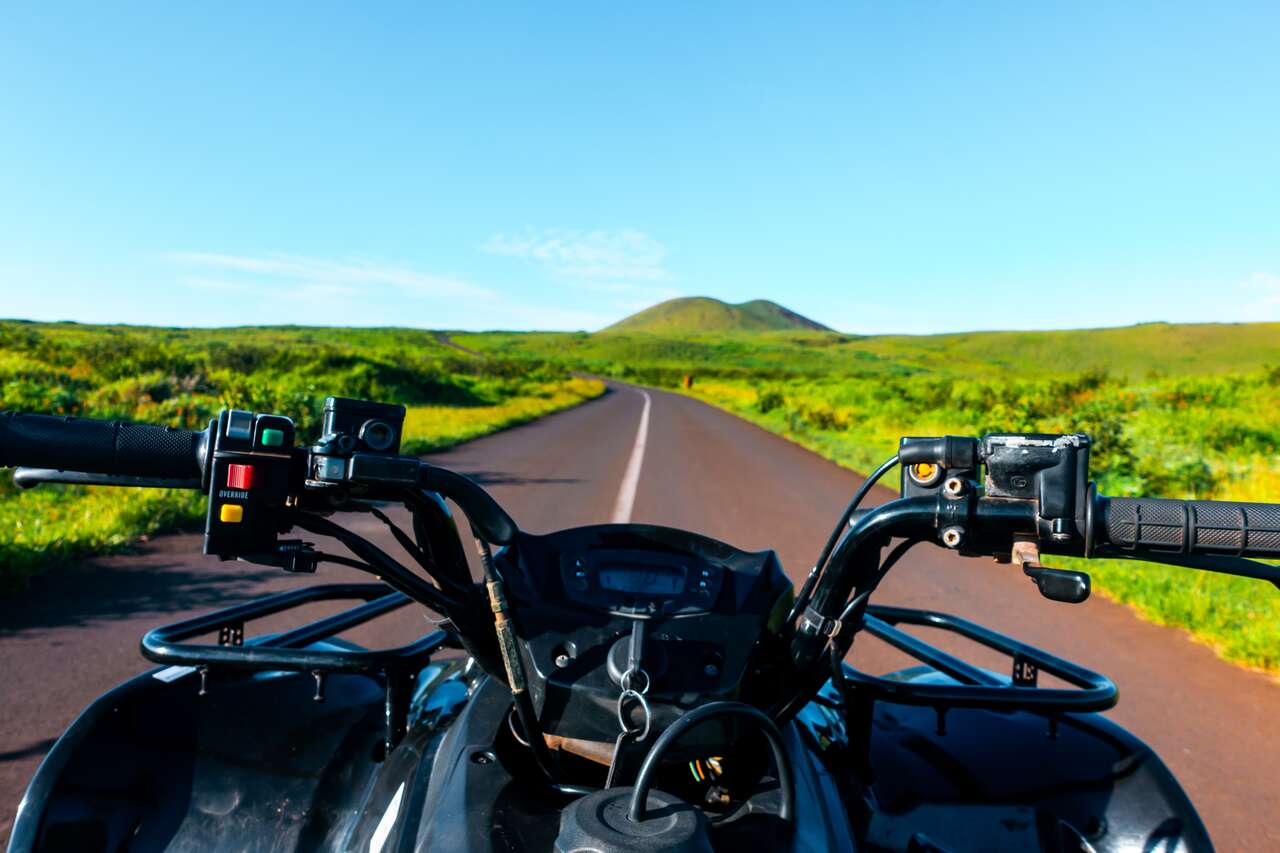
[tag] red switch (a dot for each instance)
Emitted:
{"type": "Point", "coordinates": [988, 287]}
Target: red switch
{"type": "Point", "coordinates": [240, 477]}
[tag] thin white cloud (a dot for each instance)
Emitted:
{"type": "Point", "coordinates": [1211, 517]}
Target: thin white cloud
{"type": "Point", "coordinates": [284, 290]}
{"type": "Point", "coordinates": [353, 286]}
{"type": "Point", "coordinates": [624, 254]}
{"type": "Point", "coordinates": [294, 271]}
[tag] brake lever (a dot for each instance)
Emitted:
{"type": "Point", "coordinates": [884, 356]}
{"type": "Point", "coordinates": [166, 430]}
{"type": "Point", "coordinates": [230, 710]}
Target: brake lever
{"type": "Point", "coordinates": [1065, 585]}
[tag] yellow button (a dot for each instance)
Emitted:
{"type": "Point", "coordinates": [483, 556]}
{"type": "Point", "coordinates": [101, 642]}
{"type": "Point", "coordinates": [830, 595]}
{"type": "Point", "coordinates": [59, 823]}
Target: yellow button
{"type": "Point", "coordinates": [923, 472]}
{"type": "Point", "coordinates": [231, 513]}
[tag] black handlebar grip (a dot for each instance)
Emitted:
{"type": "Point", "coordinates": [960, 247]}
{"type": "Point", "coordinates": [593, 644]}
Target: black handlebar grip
{"type": "Point", "coordinates": [1157, 526]}
{"type": "Point", "coordinates": [100, 447]}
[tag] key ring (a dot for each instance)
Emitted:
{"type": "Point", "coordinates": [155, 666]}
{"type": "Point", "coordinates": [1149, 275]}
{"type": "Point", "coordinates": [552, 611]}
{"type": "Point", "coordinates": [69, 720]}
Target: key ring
{"type": "Point", "coordinates": [625, 681]}
{"type": "Point", "coordinates": [623, 721]}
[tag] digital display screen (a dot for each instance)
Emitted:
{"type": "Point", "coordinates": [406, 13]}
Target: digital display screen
{"type": "Point", "coordinates": [645, 580]}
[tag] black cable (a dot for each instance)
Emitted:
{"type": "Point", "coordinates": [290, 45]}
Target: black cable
{"type": "Point", "coordinates": [853, 505]}
{"type": "Point", "coordinates": [428, 565]}
{"type": "Point", "coordinates": [802, 600]}
{"type": "Point", "coordinates": [403, 538]}
{"type": "Point", "coordinates": [508, 644]}
{"type": "Point", "coordinates": [383, 565]}
{"type": "Point", "coordinates": [321, 557]}
{"type": "Point", "coordinates": [854, 611]}
{"type": "Point", "coordinates": [894, 556]}
{"type": "Point", "coordinates": [653, 759]}
{"type": "Point", "coordinates": [836, 659]}
{"type": "Point", "coordinates": [437, 536]}
{"type": "Point", "coordinates": [835, 656]}
{"type": "Point", "coordinates": [862, 596]}
{"type": "Point", "coordinates": [853, 564]}
{"type": "Point", "coordinates": [486, 559]}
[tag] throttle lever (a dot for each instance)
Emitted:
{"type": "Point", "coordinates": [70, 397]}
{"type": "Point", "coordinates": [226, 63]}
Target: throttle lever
{"type": "Point", "coordinates": [1065, 585]}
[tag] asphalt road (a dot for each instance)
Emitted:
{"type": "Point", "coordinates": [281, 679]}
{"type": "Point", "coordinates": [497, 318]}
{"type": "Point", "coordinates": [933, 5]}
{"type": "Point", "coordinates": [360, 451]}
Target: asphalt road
{"type": "Point", "coordinates": [75, 633]}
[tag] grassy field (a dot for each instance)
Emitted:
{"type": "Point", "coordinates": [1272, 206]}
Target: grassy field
{"type": "Point", "coordinates": [1175, 411]}
{"type": "Point", "coordinates": [182, 377]}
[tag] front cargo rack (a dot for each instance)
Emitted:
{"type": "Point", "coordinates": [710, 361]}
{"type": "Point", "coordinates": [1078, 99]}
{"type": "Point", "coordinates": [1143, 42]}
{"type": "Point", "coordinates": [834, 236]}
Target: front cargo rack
{"type": "Point", "coordinates": [973, 687]}
{"type": "Point", "coordinates": [966, 685]}
{"type": "Point", "coordinates": [296, 650]}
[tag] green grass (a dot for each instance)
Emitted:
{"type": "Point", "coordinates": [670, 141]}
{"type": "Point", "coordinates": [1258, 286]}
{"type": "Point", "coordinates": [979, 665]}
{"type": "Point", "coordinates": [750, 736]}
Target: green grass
{"type": "Point", "coordinates": [1175, 411]}
{"type": "Point", "coordinates": [182, 377]}
{"type": "Point", "coordinates": [429, 428]}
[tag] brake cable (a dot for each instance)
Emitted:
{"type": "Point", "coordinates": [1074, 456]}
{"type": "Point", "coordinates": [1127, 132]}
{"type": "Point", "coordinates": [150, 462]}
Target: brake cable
{"type": "Point", "coordinates": [855, 610]}
{"type": "Point", "coordinates": [339, 560]}
{"type": "Point", "coordinates": [811, 676]}
{"type": "Point", "coordinates": [428, 565]}
{"type": "Point", "coordinates": [894, 556]}
{"type": "Point", "coordinates": [428, 510]}
{"type": "Point", "coordinates": [385, 567]}
{"type": "Point", "coordinates": [802, 600]}
{"type": "Point", "coordinates": [517, 679]}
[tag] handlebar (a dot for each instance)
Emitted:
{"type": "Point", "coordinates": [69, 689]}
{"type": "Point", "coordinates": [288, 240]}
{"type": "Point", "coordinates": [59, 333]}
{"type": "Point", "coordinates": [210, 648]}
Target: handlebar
{"type": "Point", "coordinates": [486, 515]}
{"type": "Point", "coordinates": [1156, 528]}
{"type": "Point", "coordinates": [1216, 535]}
{"type": "Point", "coordinates": [1035, 490]}
{"type": "Point", "coordinates": [130, 454]}
{"type": "Point", "coordinates": [1005, 495]}
{"type": "Point", "coordinates": [101, 447]}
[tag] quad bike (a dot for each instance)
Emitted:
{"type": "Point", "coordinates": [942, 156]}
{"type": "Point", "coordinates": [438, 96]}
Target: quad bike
{"type": "Point", "coordinates": [612, 687]}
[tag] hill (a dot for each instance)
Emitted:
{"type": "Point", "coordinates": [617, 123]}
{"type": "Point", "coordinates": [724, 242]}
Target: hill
{"type": "Point", "coordinates": [1147, 351]}
{"type": "Point", "coordinates": [704, 314]}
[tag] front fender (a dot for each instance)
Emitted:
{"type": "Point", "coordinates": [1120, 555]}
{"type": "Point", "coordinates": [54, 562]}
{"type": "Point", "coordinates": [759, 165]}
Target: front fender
{"type": "Point", "coordinates": [1007, 780]}
{"type": "Point", "coordinates": [256, 763]}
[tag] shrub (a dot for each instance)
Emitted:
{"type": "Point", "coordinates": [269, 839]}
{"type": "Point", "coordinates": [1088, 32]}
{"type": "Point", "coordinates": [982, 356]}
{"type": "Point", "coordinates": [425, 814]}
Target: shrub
{"type": "Point", "coordinates": [770, 400]}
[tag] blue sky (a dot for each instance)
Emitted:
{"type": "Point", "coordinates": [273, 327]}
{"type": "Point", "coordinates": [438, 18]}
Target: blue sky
{"type": "Point", "coordinates": [881, 167]}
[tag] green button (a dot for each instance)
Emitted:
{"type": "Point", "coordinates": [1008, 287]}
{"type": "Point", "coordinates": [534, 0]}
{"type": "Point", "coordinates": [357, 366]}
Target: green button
{"type": "Point", "coordinates": [272, 437]}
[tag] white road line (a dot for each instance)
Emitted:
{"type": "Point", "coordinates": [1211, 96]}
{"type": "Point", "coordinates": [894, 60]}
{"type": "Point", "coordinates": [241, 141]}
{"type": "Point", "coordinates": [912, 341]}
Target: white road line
{"type": "Point", "coordinates": [631, 478]}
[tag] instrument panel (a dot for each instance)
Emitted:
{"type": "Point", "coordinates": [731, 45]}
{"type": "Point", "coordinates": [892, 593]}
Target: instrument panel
{"type": "Point", "coordinates": [577, 594]}
{"type": "Point", "coordinates": [644, 580]}
{"type": "Point", "coordinates": [632, 583]}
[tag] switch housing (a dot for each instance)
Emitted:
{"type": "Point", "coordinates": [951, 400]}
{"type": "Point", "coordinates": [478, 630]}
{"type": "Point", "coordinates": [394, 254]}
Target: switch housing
{"type": "Point", "coordinates": [249, 481]}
